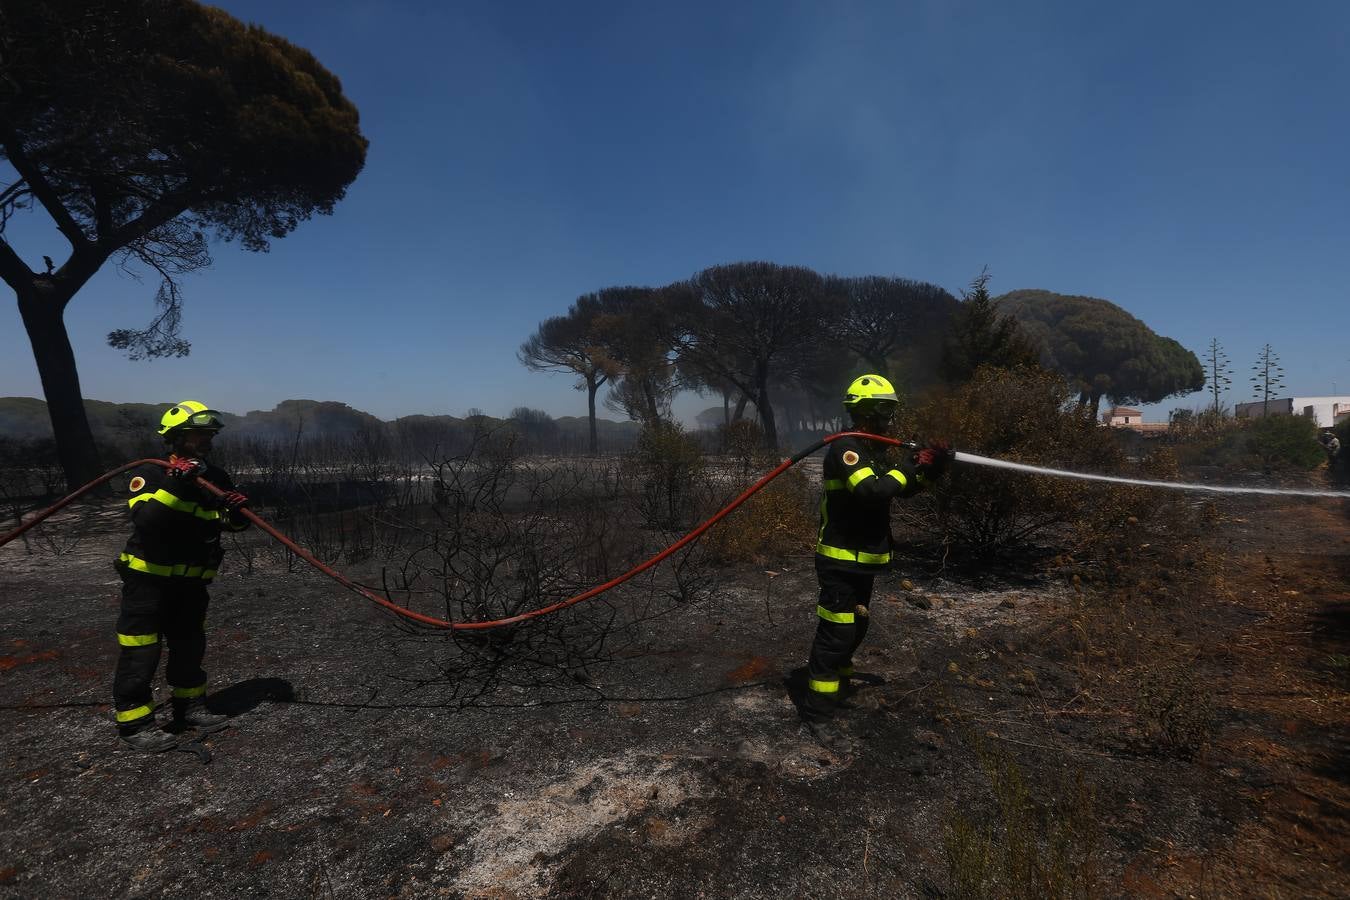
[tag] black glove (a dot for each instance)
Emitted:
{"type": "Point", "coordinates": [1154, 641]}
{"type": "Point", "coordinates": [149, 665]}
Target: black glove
{"type": "Point", "coordinates": [934, 458]}
{"type": "Point", "coordinates": [186, 468]}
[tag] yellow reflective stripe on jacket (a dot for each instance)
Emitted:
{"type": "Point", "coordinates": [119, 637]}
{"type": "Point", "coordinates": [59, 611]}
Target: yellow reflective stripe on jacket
{"type": "Point", "coordinates": [823, 687]}
{"type": "Point", "coordinates": [131, 715]}
{"type": "Point", "coordinates": [177, 504]}
{"type": "Point", "coordinates": [189, 693]}
{"type": "Point", "coordinates": [859, 475]}
{"type": "Point", "coordinates": [835, 484]}
{"type": "Point", "coordinates": [853, 555]}
{"type": "Point", "coordinates": [136, 564]}
{"type": "Point", "coordinates": [844, 618]}
{"type": "Point", "coordinates": [137, 640]}
{"type": "Point", "coordinates": [899, 476]}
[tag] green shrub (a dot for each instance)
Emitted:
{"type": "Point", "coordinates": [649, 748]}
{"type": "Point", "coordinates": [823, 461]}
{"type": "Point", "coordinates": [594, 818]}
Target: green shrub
{"type": "Point", "coordinates": [1271, 443]}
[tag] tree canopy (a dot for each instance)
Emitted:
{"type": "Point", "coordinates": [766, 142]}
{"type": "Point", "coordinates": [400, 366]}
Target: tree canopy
{"type": "Point", "coordinates": [1103, 350]}
{"type": "Point", "coordinates": [574, 343]}
{"type": "Point", "coordinates": [756, 323]}
{"type": "Point", "coordinates": [982, 335]}
{"type": "Point", "coordinates": [140, 127]}
{"type": "Point", "coordinates": [892, 325]}
{"type": "Point", "coordinates": [639, 330]}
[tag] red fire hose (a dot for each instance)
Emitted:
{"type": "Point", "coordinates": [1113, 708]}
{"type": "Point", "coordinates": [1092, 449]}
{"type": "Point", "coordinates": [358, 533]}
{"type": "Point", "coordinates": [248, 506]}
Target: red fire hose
{"type": "Point", "coordinates": [466, 626]}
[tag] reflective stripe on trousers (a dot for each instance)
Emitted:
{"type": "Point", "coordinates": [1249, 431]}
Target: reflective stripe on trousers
{"type": "Point", "coordinates": [144, 566]}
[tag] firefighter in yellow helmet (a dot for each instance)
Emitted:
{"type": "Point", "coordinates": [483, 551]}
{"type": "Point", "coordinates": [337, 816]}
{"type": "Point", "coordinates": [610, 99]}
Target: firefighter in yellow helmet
{"type": "Point", "coordinates": [169, 560]}
{"type": "Point", "coordinates": [854, 543]}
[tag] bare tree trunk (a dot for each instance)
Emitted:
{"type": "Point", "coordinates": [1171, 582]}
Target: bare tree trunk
{"type": "Point", "coordinates": [764, 407]}
{"type": "Point", "coordinates": [649, 397]}
{"type": "Point", "coordinates": [43, 319]}
{"type": "Point", "coordinates": [741, 403]}
{"type": "Point", "coordinates": [879, 365]}
{"type": "Point", "coordinates": [592, 385]}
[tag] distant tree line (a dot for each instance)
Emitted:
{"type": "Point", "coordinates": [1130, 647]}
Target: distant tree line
{"type": "Point", "coordinates": [785, 339]}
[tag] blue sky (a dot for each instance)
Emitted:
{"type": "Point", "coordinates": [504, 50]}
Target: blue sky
{"type": "Point", "coordinates": [1187, 161]}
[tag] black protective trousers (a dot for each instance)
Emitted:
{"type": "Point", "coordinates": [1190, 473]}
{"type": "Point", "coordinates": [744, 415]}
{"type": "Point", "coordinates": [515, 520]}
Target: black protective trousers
{"type": "Point", "coordinates": [172, 610]}
{"type": "Point", "coordinates": [844, 614]}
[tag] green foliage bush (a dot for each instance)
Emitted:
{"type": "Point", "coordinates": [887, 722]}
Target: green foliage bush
{"type": "Point", "coordinates": [1271, 443]}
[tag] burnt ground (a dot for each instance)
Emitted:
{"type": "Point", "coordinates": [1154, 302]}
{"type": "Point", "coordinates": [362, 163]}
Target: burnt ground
{"type": "Point", "coordinates": [365, 761]}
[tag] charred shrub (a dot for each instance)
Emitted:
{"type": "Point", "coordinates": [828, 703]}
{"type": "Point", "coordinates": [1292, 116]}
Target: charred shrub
{"type": "Point", "coordinates": [778, 520]}
{"type": "Point", "coordinates": [743, 441]}
{"type": "Point", "coordinates": [667, 464]}
{"type": "Point", "coordinates": [1021, 415]}
{"type": "Point", "coordinates": [30, 469]}
{"type": "Point", "coordinates": [1175, 710]}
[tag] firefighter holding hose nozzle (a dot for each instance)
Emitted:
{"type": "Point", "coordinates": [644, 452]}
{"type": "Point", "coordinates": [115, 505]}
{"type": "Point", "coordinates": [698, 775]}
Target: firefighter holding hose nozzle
{"type": "Point", "coordinates": [169, 560]}
{"type": "Point", "coordinates": [854, 544]}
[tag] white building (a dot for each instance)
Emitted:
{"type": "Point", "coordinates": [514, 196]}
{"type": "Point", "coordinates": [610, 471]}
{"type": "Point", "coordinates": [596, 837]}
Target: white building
{"type": "Point", "coordinates": [1122, 415]}
{"type": "Point", "coordinates": [1133, 419]}
{"type": "Point", "coordinates": [1323, 410]}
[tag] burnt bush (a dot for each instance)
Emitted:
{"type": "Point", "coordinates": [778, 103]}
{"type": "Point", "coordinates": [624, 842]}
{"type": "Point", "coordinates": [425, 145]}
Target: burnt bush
{"type": "Point", "coordinates": [743, 442]}
{"type": "Point", "coordinates": [1021, 415]}
{"type": "Point", "coordinates": [506, 534]}
{"type": "Point", "coordinates": [1036, 845]}
{"type": "Point", "coordinates": [667, 464]}
{"type": "Point", "coordinates": [777, 521]}
{"type": "Point", "coordinates": [29, 470]}
{"type": "Point", "coordinates": [1175, 708]}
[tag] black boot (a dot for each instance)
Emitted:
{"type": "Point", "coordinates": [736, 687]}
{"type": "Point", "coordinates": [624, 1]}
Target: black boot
{"type": "Point", "coordinates": [194, 714]}
{"type": "Point", "coordinates": [829, 735]}
{"type": "Point", "coordinates": [149, 739]}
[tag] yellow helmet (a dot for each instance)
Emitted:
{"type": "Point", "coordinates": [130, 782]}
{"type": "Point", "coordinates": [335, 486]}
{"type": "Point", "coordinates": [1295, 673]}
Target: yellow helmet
{"type": "Point", "coordinates": [187, 416]}
{"type": "Point", "coordinates": [870, 394]}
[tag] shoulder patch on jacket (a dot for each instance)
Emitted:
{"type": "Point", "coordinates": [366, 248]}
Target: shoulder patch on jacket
{"type": "Point", "coordinates": [136, 484]}
{"type": "Point", "coordinates": [850, 458]}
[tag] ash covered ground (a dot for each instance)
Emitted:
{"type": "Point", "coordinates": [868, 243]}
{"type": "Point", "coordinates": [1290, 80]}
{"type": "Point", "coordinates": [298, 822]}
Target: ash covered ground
{"type": "Point", "coordinates": [367, 761]}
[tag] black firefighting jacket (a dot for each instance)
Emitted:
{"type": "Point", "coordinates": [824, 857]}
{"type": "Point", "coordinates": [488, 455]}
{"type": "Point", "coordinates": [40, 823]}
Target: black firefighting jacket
{"type": "Point", "coordinates": [177, 526]}
{"type": "Point", "coordinates": [855, 510]}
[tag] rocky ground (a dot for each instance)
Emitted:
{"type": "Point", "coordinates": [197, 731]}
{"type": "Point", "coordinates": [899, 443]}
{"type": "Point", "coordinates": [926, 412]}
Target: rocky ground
{"type": "Point", "coordinates": [367, 761]}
